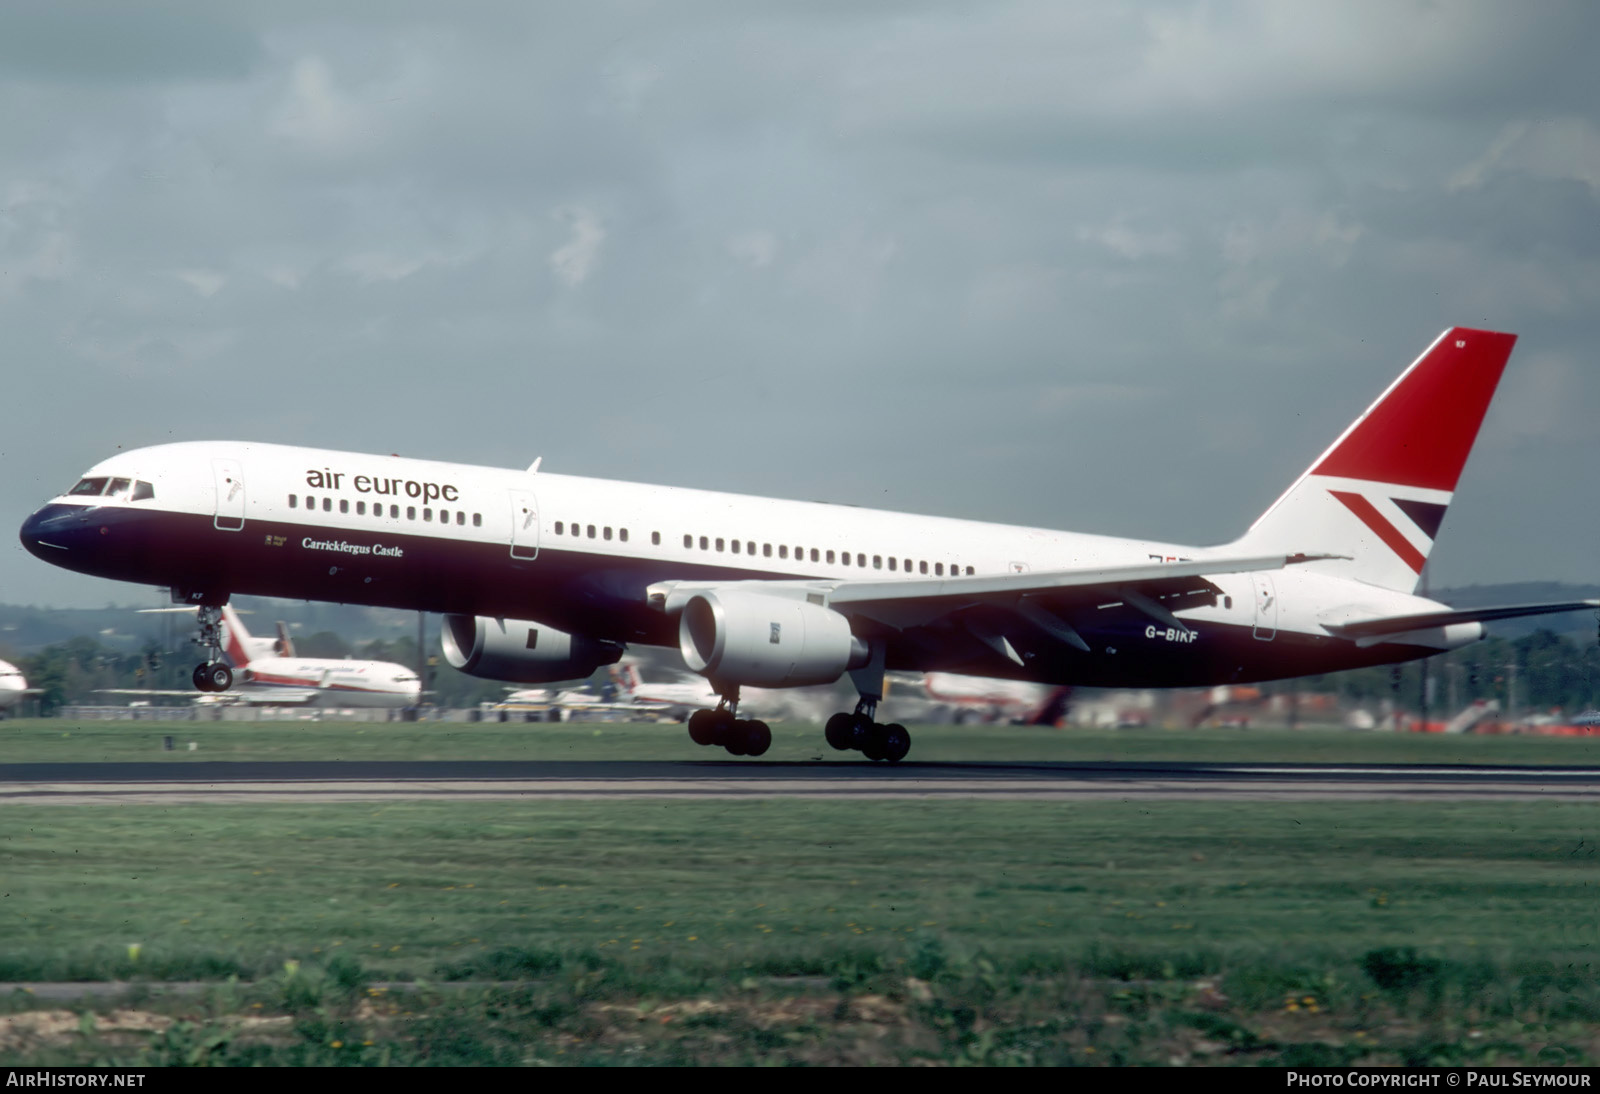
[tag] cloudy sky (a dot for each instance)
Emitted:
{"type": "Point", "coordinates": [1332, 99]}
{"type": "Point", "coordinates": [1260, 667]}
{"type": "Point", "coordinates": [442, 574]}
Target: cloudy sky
{"type": "Point", "coordinates": [1111, 268]}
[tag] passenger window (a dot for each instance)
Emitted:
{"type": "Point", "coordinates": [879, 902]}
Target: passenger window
{"type": "Point", "coordinates": [622, 534]}
{"type": "Point", "coordinates": [607, 531]}
{"type": "Point", "coordinates": [861, 560]}
{"type": "Point", "coordinates": [293, 501]}
{"type": "Point", "coordinates": [877, 562]}
{"type": "Point", "coordinates": [969, 571]}
{"type": "Point", "coordinates": [311, 502]}
{"type": "Point", "coordinates": [735, 546]}
{"type": "Point", "coordinates": [591, 531]}
{"type": "Point", "coordinates": [688, 542]}
{"type": "Point", "coordinates": [938, 569]}
{"type": "Point", "coordinates": [394, 512]}
{"type": "Point", "coordinates": [344, 505]}
{"type": "Point", "coordinates": [427, 514]}
{"type": "Point", "coordinates": [477, 520]}
{"type": "Point", "coordinates": [719, 543]}
{"type": "Point", "coordinates": [561, 528]}
{"type": "Point", "coordinates": [891, 562]}
{"type": "Point", "coordinates": [327, 505]}
{"type": "Point", "coordinates": [411, 512]}
{"type": "Point", "coordinates": [922, 567]}
{"type": "Point", "coordinates": [461, 518]}
{"type": "Point", "coordinates": [705, 544]}
{"type": "Point", "coordinates": [766, 550]}
{"type": "Point", "coordinates": [750, 547]}
{"type": "Point", "coordinates": [783, 550]}
{"type": "Point", "coordinates": [361, 508]}
{"type": "Point", "coordinates": [814, 555]}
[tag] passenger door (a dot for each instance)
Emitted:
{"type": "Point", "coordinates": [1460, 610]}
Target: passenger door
{"type": "Point", "coordinates": [524, 525]}
{"type": "Point", "coordinates": [229, 475]}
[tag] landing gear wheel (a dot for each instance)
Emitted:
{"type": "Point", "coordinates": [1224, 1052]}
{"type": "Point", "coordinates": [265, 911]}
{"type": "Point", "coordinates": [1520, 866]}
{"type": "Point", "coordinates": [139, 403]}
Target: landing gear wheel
{"type": "Point", "coordinates": [702, 727]}
{"type": "Point", "coordinates": [875, 746]}
{"type": "Point", "coordinates": [736, 739]}
{"type": "Point", "coordinates": [839, 732]}
{"type": "Point", "coordinates": [221, 676]}
{"type": "Point", "coordinates": [896, 742]}
{"type": "Point", "coordinates": [861, 728]}
{"type": "Point", "coordinates": [757, 738]}
{"type": "Point", "coordinates": [202, 677]}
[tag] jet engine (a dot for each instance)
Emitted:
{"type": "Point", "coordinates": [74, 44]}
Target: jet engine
{"type": "Point", "coordinates": [766, 641]}
{"type": "Point", "coordinates": [521, 652]}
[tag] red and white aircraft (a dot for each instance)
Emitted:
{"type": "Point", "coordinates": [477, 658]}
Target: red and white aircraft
{"type": "Point", "coordinates": [274, 674]}
{"type": "Point", "coordinates": [13, 687]}
{"type": "Point", "coordinates": [547, 577]}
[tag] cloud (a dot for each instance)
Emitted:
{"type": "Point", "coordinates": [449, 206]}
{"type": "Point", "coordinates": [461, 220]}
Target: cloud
{"type": "Point", "coordinates": [1559, 148]}
{"type": "Point", "coordinates": [574, 261]}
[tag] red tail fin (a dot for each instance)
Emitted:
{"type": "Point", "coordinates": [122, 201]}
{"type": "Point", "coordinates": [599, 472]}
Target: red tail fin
{"type": "Point", "coordinates": [1419, 432]}
{"type": "Point", "coordinates": [1378, 495]}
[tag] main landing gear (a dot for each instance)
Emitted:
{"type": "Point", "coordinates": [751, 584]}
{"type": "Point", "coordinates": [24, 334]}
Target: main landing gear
{"type": "Point", "coordinates": [872, 739]}
{"type": "Point", "coordinates": [722, 727]}
{"type": "Point", "coordinates": [212, 674]}
{"type": "Point", "coordinates": [858, 730]}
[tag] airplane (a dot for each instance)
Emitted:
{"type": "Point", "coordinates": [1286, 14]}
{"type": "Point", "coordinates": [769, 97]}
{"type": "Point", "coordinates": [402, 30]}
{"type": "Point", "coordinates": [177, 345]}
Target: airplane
{"type": "Point", "coordinates": [993, 700]}
{"type": "Point", "coordinates": [13, 688]}
{"type": "Point", "coordinates": [272, 675]}
{"type": "Point", "coordinates": [545, 577]}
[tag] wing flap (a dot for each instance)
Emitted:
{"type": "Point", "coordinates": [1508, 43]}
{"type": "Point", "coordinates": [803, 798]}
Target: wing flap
{"type": "Point", "coordinates": [1158, 588]}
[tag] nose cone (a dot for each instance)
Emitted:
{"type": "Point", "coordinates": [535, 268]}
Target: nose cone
{"type": "Point", "coordinates": [49, 533]}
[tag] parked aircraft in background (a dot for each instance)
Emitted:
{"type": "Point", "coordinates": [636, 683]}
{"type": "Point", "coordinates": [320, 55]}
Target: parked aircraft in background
{"type": "Point", "coordinates": [547, 577]}
{"type": "Point", "coordinates": [13, 688]}
{"type": "Point", "coordinates": [986, 699]}
{"type": "Point", "coordinates": [270, 674]}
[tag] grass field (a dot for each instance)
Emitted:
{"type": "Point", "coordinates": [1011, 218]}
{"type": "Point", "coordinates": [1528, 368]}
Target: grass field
{"type": "Point", "coordinates": [801, 931]}
{"type": "Point", "coordinates": [55, 740]}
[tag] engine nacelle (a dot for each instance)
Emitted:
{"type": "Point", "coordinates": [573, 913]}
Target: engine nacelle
{"type": "Point", "coordinates": [521, 652]}
{"type": "Point", "coordinates": [766, 641]}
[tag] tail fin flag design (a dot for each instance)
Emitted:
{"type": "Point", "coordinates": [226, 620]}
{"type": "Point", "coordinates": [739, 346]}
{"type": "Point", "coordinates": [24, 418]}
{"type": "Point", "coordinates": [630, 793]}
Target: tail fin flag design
{"type": "Point", "coordinates": [1378, 495]}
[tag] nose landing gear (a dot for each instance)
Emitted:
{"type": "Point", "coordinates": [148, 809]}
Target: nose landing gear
{"type": "Point", "coordinates": [212, 674]}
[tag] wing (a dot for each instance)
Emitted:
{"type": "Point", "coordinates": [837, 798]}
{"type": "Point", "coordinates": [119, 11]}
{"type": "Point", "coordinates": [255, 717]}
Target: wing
{"type": "Point", "coordinates": [985, 608]}
{"type": "Point", "coordinates": [1399, 624]}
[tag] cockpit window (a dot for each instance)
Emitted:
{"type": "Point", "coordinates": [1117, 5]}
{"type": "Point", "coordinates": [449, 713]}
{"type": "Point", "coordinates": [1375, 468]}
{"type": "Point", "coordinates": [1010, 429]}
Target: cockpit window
{"type": "Point", "coordinates": [118, 488]}
{"type": "Point", "coordinates": [143, 491]}
{"type": "Point", "coordinates": [89, 487]}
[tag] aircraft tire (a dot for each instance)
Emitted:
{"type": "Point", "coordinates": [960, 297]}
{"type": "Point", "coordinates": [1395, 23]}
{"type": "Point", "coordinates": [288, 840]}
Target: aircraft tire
{"type": "Point", "coordinates": [702, 729]}
{"type": "Point", "coordinates": [221, 677]}
{"type": "Point", "coordinates": [896, 742]}
{"type": "Point", "coordinates": [839, 732]}
{"type": "Point", "coordinates": [860, 729]}
{"type": "Point", "coordinates": [202, 677]}
{"type": "Point", "coordinates": [758, 738]}
{"type": "Point", "coordinates": [736, 739]}
{"type": "Point", "coordinates": [873, 748]}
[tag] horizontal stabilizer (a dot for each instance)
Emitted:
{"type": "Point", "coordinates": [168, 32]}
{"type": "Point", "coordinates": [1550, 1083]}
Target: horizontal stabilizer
{"type": "Point", "coordinates": [1399, 624]}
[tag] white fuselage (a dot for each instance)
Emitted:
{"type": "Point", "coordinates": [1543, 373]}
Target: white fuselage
{"type": "Point", "coordinates": [579, 554]}
{"type": "Point", "coordinates": [13, 688]}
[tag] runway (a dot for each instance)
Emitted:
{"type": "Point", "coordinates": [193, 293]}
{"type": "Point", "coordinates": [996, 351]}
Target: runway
{"type": "Point", "coordinates": [357, 781]}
